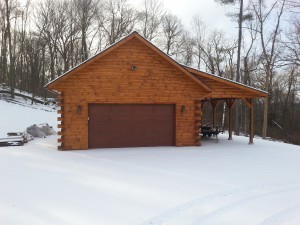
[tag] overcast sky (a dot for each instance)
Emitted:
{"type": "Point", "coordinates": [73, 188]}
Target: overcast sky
{"type": "Point", "coordinates": [213, 14]}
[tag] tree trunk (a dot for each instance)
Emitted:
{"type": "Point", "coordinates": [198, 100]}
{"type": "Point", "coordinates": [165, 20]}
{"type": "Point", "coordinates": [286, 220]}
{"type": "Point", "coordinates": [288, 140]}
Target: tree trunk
{"type": "Point", "coordinates": [238, 76]}
{"type": "Point", "coordinates": [265, 118]}
{"type": "Point", "coordinates": [3, 68]}
{"type": "Point", "coordinates": [84, 51]}
{"type": "Point", "coordinates": [11, 76]}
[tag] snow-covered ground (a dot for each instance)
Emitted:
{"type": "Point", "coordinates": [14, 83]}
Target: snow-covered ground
{"type": "Point", "coordinates": [226, 183]}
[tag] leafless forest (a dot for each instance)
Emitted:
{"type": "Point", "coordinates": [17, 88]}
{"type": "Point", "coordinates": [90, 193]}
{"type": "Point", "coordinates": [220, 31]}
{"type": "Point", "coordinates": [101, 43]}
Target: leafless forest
{"type": "Point", "coordinates": [40, 40]}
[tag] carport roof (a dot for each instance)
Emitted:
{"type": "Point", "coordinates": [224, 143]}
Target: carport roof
{"type": "Point", "coordinates": [198, 73]}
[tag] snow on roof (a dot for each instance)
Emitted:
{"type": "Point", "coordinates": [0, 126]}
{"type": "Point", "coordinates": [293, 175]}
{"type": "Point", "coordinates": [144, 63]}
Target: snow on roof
{"type": "Point", "coordinates": [223, 78]}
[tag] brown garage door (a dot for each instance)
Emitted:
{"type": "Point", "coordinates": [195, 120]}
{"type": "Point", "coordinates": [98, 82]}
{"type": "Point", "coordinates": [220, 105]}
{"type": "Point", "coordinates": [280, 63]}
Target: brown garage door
{"type": "Point", "coordinates": [131, 125]}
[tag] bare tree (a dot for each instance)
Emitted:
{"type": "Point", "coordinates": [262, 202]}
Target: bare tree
{"type": "Point", "coordinates": [3, 58]}
{"type": "Point", "coordinates": [172, 31]}
{"type": "Point", "coordinates": [21, 33]}
{"type": "Point", "coordinates": [229, 50]}
{"type": "Point", "coordinates": [249, 60]}
{"type": "Point", "coordinates": [117, 20]}
{"type": "Point", "coordinates": [85, 13]}
{"type": "Point", "coordinates": [185, 50]}
{"type": "Point", "coordinates": [199, 36]}
{"type": "Point", "coordinates": [293, 4]}
{"type": "Point", "coordinates": [240, 21]}
{"type": "Point", "coordinates": [212, 52]}
{"type": "Point", "coordinates": [268, 43]}
{"type": "Point", "coordinates": [150, 17]}
{"type": "Point", "coordinates": [45, 22]}
{"type": "Point", "coordinates": [66, 32]}
{"type": "Point", "coordinates": [292, 44]}
{"type": "Point", "coordinates": [34, 49]}
{"type": "Point", "coordinates": [9, 7]}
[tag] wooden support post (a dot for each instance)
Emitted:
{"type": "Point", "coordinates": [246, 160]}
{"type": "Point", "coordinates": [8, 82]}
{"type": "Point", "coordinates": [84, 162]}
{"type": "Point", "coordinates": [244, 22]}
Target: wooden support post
{"type": "Point", "coordinates": [229, 103]}
{"type": "Point", "coordinates": [214, 116]}
{"type": "Point", "coordinates": [214, 103]}
{"type": "Point", "coordinates": [202, 104]}
{"type": "Point", "coordinates": [249, 103]}
{"type": "Point", "coordinates": [251, 122]}
{"type": "Point", "coordinates": [229, 124]}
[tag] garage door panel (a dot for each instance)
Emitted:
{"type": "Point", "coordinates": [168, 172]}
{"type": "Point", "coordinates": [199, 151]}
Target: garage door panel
{"type": "Point", "coordinates": [103, 120]}
{"type": "Point", "coordinates": [131, 125]}
{"type": "Point", "coordinates": [121, 119]}
{"type": "Point", "coordinates": [162, 122]}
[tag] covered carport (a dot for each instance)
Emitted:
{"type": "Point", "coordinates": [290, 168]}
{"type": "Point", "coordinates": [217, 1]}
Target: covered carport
{"type": "Point", "coordinates": [228, 92]}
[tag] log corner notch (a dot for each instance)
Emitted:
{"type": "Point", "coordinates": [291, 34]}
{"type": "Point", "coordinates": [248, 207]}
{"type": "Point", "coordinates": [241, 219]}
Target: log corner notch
{"type": "Point", "coordinates": [249, 102]}
{"type": "Point", "coordinates": [61, 120]}
{"type": "Point", "coordinates": [198, 121]}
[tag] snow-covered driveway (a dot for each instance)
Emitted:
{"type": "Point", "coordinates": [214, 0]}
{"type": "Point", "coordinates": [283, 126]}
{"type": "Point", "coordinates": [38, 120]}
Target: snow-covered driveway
{"type": "Point", "coordinates": [229, 182]}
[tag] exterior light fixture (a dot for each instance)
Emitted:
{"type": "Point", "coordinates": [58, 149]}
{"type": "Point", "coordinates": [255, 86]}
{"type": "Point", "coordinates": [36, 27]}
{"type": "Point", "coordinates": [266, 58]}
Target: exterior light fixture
{"type": "Point", "coordinates": [79, 109]}
{"type": "Point", "coordinates": [183, 109]}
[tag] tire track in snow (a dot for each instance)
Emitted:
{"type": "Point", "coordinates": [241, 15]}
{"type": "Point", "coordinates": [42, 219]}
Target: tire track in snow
{"type": "Point", "coordinates": [209, 207]}
{"type": "Point", "coordinates": [216, 215]}
{"type": "Point", "coordinates": [287, 215]}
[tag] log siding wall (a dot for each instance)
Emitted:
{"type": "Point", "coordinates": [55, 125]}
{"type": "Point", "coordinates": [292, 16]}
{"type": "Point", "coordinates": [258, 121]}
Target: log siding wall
{"type": "Point", "coordinates": [111, 80]}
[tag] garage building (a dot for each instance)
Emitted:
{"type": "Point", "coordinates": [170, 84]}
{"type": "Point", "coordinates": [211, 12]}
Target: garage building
{"type": "Point", "coordinates": [133, 95]}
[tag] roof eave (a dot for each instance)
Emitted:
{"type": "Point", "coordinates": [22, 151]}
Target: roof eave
{"type": "Point", "coordinates": [257, 91]}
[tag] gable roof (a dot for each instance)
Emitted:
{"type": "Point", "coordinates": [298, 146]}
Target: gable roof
{"type": "Point", "coordinates": [191, 73]}
{"type": "Point", "coordinates": [116, 45]}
